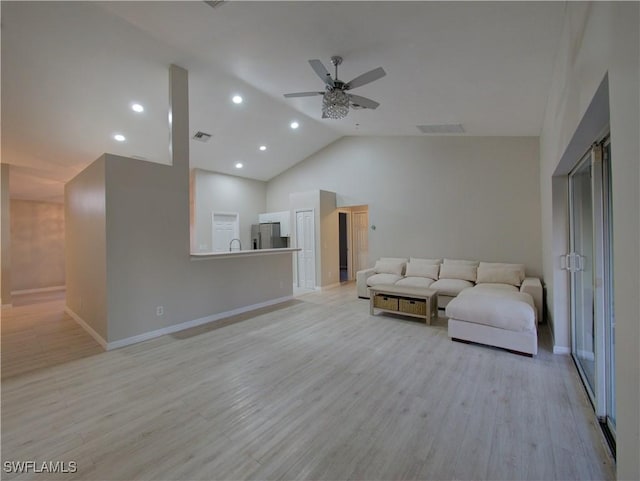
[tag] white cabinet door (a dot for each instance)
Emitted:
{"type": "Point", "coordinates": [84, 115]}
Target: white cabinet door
{"type": "Point", "coordinates": [284, 218]}
{"type": "Point", "coordinates": [285, 223]}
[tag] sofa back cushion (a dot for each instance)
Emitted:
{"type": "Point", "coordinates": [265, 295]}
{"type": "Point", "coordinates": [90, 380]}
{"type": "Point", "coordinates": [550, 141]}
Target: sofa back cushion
{"type": "Point", "coordinates": [416, 268]}
{"type": "Point", "coordinates": [466, 272]}
{"type": "Point", "coordinates": [459, 269]}
{"type": "Point", "coordinates": [500, 273]}
{"type": "Point", "coordinates": [398, 259]}
{"type": "Point", "coordinates": [425, 261]}
{"type": "Point", "coordinates": [462, 262]}
{"type": "Point", "coordinates": [388, 266]}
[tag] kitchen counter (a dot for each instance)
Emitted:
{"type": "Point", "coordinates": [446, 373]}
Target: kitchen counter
{"type": "Point", "coordinates": [197, 256]}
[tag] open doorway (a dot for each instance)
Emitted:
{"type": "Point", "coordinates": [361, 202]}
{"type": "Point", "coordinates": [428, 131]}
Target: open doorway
{"type": "Point", "coordinates": [344, 219]}
{"type": "Point", "coordinates": [353, 224]}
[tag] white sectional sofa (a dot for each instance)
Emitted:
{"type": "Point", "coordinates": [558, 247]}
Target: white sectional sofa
{"type": "Point", "coordinates": [486, 302]}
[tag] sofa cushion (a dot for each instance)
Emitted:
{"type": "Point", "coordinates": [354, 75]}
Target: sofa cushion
{"type": "Point", "coordinates": [501, 273]}
{"type": "Point", "coordinates": [425, 261]}
{"type": "Point", "coordinates": [461, 262]}
{"type": "Point", "coordinates": [395, 259]}
{"type": "Point", "coordinates": [513, 311]}
{"type": "Point", "coordinates": [450, 287]}
{"type": "Point", "coordinates": [422, 269]}
{"type": "Point", "coordinates": [390, 267]}
{"type": "Point", "coordinates": [506, 287]}
{"type": "Point", "coordinates": [458, 271]}
{"type": "Point", "coordinates": [415, 282]}
{"type": "Point", "coordinates": [377, 279]}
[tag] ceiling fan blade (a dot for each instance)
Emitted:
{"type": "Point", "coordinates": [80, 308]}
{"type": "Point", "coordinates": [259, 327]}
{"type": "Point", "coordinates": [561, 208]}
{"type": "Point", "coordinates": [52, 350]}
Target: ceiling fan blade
{"type": "Point", "coordinates": [366, 78]}
{"type": "Point", "coordinates": [363, 102]}
{"type": "Point", "coordinates": [303, 94]}
{"type": "Point", "coordinates": [322, 72]}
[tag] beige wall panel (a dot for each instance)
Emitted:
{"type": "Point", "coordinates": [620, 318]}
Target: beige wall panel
{"type": "Point", "coordinates": [5, 232]}
{"type": "Point", "coordinates": [85, 246]}
{"type": "Point", "coordinates": [37, 240]}
{"type": "Point", "coordinates": [329, 239]}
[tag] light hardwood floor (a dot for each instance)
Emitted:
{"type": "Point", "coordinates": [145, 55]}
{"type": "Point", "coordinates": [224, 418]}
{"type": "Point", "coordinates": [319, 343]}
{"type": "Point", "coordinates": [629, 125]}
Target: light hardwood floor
{"type": "Point", "coordinates": [312, 389]}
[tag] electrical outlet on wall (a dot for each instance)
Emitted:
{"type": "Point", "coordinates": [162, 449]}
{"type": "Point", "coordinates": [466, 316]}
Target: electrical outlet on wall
{"type": "Point", "coordinates": [160, 311]}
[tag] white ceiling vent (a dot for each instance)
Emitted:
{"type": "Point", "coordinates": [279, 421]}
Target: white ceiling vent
{"type": "Point", "coordinates": [214, 3]}
{"type": "Point", "coordinates": [441, 129]}
{"type": "Point", "coordinates": [202, 136]}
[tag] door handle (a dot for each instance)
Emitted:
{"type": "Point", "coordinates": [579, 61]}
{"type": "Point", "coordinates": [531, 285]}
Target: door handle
{"type": "Point", "coordinates": [572, 262]}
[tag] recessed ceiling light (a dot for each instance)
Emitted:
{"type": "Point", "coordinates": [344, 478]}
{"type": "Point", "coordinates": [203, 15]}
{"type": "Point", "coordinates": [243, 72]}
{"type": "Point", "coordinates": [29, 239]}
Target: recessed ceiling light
{"type": "Point", "coordinates": [239, 165]}
{"type": "Point", "coordinates": [236, 99]}
{"type": "Point", "coordinates": [294, 125]}
{"type": "Point", "coordinates": [119, 137]}
{"type": "Point", "coordinates": [263, 147]}
{"type": "Point", "coordinates": [137, 108]}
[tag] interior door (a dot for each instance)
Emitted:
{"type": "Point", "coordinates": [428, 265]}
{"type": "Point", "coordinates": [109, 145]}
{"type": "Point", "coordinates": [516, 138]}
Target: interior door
{"type": "Point", "coordinates": [360, 240]}
{"type": "Point", "coordinates": [225, 228]}
{"type": "Point", "coordinates": [305, 240]}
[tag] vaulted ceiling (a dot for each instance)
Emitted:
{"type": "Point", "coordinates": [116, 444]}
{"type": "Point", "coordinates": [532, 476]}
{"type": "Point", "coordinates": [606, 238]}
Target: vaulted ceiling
{"type": "Point", "coordinates": [71, 70]}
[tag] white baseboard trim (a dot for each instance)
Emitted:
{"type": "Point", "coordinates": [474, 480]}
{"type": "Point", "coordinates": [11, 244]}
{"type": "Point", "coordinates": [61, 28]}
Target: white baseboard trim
{"type": "Point", "coordinates": [557, 349]}
{"type": "Point", "coordinates": [588, 355]}
{"type": "Point", "coordinates": [561, 350]}
{"type": "Point", "coordinates": [329, 286]}
{"type": "Point", "coordinates": [99, 339]}
{"type": "Point", "coordinates": [194, 323]}
{"type": "Point", "coordinates": [38, 290]}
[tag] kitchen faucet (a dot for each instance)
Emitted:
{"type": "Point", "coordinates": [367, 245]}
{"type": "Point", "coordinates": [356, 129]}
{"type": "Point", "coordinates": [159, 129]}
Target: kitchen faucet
{"type": "Point", "coordinates": [239, 244]}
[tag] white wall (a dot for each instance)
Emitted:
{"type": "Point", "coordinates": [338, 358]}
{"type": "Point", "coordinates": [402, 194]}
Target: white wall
{"type": "Point", "coordinates": [601, 39]}
{"type": "Point", "coordinates": [451, 196]}
{"type": "Point", "coordinates": [224, 193]}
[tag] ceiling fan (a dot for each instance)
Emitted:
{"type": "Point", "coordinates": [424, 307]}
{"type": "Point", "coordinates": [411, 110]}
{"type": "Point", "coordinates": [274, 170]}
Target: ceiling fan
{"type": "Point", "coordinates": [336, 99]}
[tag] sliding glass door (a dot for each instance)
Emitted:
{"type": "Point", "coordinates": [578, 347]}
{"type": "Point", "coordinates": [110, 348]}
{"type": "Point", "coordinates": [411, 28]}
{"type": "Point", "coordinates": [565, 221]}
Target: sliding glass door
{"type": "Point", "coordinates": [589, 262]}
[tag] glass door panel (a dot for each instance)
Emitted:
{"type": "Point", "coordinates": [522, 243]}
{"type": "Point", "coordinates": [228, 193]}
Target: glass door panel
{"type": "Point", "coordinates": [580, 263]}
{"type": "Point", "coordinates": [609, 313]}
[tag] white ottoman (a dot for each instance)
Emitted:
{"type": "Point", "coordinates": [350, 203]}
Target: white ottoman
{"type": "Point", "coordinates": [497, 318]}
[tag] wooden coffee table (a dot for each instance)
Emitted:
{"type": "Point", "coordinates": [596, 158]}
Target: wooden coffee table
{"type": "Point", "coordinates": [419, 302]}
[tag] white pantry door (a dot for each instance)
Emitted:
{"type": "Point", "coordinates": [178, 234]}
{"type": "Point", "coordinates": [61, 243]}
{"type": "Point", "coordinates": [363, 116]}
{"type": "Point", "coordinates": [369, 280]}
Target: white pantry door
{"type": "Point", "coordinates": [305, 240]}
{"type": "Point", "coordinates": [225, 228]}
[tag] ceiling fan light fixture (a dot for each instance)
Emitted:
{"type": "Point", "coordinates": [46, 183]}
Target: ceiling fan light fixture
{"type": "Point", "coordinates": [335, 104]}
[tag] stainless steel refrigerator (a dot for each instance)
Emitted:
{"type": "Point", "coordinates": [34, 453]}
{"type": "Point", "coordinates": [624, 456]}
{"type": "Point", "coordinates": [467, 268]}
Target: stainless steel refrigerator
{"type": "Point", "coordinates": [267, 236]}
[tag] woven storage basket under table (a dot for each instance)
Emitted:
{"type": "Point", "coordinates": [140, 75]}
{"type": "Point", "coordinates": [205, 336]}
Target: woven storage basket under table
{"type": "Point", "coordinates": [413, 306]}
{"type": "Point", "coordinates": [382, 301]}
